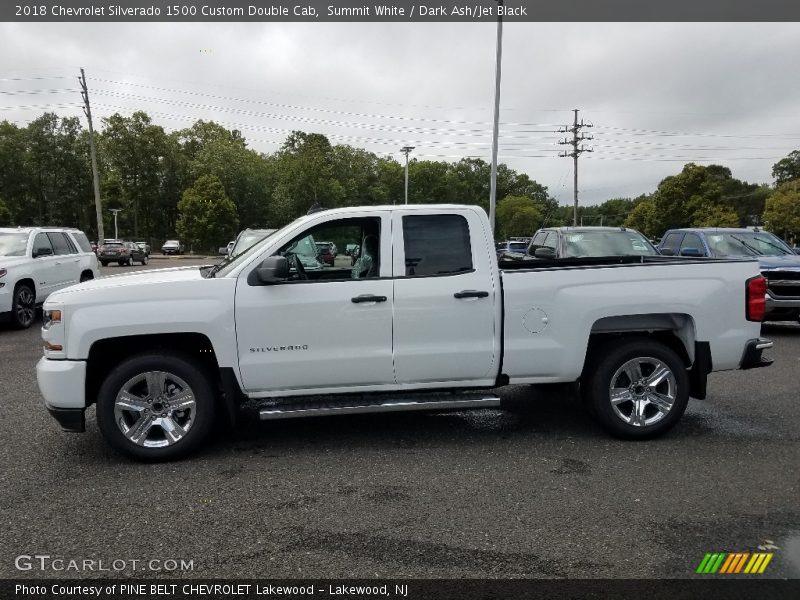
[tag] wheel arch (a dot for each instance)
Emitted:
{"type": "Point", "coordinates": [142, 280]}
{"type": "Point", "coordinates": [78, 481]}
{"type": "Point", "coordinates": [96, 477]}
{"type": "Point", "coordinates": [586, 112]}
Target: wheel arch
{"type": "Point", "coordinates": [105, 354]}
{"type": "Point", "coordinates": [676, 330]}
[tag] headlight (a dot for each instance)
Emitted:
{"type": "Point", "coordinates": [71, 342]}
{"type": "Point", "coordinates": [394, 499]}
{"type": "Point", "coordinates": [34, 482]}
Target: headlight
{"type": "Point", "coordinates": [51, 317]}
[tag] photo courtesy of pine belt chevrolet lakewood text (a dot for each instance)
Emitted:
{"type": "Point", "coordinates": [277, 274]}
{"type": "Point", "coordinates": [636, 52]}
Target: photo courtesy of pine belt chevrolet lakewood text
{"type": "Point", "coordinates": [421, 315]}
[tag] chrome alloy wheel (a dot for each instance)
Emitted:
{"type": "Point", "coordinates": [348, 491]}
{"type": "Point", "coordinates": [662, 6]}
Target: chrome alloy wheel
{"type": "Point", "coordinates": [155, 409]}
{"type": "Point", "coordinates": [642, 391]}
{"type": "Point", "coordinates": [26, 307]}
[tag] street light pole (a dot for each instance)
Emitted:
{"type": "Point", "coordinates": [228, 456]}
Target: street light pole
{"type": "Point", "coordinates": [115, 211]}
{"type": "Point", "coordinates": [499, 57]}
{"type": "Point", "coordinates": [406, 150]}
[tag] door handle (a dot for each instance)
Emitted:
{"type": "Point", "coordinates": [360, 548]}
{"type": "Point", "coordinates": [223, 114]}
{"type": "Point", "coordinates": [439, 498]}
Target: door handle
{"type": "Point", "coordinates": [367, 298]}
{"type": "Point", "coordinates": [470, 294]}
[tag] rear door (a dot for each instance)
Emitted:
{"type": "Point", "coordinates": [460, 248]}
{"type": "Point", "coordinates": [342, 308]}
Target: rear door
{"type": "Point", "coordinates": [67, 262]}
{"type": "Point", "coordinates": [444, 297]}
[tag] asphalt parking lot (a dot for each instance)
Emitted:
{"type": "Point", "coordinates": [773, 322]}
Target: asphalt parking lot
{"type": "Point", "coordinates": [535, 492]}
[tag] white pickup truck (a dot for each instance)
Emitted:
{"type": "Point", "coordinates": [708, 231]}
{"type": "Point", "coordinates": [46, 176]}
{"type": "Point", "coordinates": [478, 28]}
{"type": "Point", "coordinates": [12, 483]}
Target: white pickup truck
{"type": "Point", "coordinates": [423, 319]}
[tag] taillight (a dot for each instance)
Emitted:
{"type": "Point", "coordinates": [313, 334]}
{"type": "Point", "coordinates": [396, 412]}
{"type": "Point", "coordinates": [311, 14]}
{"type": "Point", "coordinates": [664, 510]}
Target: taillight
{"type": "Point", "coordinates": [756, 302]}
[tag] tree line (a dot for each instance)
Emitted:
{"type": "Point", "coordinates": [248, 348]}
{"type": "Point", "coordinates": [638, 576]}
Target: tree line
{"type": "Point", "coordinates": [204, 183]}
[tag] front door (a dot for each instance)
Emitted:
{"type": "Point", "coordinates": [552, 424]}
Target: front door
{"type": "Point", "coordinates": [330, 324]}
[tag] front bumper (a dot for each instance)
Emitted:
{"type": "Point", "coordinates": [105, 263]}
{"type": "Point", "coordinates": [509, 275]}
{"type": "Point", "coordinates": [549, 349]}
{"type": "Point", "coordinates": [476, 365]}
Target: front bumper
{"type": "Point", "coordinates": [752, 357]}
{"type": "Point", "coordinates": [62, 383]}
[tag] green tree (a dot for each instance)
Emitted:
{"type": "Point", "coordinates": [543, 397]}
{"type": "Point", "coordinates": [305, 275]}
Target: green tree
{"type": "Point", "coordinates": [787, 169]}
{"type": "Point", "coordinates": [132, 150]}
{"type": "Point", "coordinates": [782, 212]}
{"type": "Point", "coordinates": [207, 216]}
{"type": "Point", "coordinates": [517, 216]}
{"type": "Point", "coordinates": [643, 217]}
{"type": "Point", "coordinates": [5, 214]}
{"type": "Point", "coordinates": [715, 215]}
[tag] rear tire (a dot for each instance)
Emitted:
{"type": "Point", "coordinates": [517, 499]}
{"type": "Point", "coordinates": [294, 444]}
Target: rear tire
{"type": "Point", "coordinates": [155, 407]}
{"type": "Point", "coordinates": [86, 277]}
{"type": "Point", "coordinates": [636, 388]}
{"type": "Point", "coordinates": [144, 260]}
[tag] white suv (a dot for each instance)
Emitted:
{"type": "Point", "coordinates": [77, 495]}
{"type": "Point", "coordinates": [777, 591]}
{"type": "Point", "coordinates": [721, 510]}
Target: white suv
{"type": "Point", "coordinates": [36, 261]}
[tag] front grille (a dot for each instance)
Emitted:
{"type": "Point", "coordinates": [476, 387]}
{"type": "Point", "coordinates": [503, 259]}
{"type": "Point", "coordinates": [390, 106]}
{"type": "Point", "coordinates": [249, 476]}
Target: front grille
{"type": "Point", "coordinates": [782, 275]}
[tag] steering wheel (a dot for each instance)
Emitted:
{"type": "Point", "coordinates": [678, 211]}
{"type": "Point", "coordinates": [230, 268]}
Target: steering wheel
{"type": "Point", "coordinates": [298, 266]}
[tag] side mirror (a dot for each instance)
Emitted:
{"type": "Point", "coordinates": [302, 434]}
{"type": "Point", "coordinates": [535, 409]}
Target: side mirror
{"type": "Point", "coordinates": [694, 252]}
{"type": "Point", "coordinates": [223, 250]}
{"type": "Point", "coordinates": [272, 270]}
{"type": "Point", "coordinates": [42, 252]}
{"type": "Point", "coordinates": [667, 251]}
{"type": "Point", "coordinates": [544, 253]}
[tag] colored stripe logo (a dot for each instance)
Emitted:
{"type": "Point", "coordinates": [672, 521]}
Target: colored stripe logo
{"type": "Point", "coordinates": [734, 562]}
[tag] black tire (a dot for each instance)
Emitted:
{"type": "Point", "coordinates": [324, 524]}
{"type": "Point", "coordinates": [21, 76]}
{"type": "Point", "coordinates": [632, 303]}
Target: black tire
{"type": "Point", "coordinates": [144, 260]}
{"type": "Point", "coordinates": [176, 367]}
{"type": "Point", "coordinates": [86, 276]}
{"type": "Point", "coordinates": [607, 368]}
{"type": "Point", "coordinates": [104, 263]}
{"type": "Point", "coordinates": [23, 306]}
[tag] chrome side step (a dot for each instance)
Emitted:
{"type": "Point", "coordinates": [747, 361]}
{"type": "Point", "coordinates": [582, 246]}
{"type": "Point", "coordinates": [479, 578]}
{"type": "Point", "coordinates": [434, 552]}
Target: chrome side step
{"type": "Point", "coordinates": [377, 405]}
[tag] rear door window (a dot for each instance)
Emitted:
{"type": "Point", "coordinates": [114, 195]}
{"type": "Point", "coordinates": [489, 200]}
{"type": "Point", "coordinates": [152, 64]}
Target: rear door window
{"type": "Point", "coordinates": [82, 241]}
{"type": "Point", "coordinates": [61, 245]}
{"type": "Point", "coordinates": [436, 245]}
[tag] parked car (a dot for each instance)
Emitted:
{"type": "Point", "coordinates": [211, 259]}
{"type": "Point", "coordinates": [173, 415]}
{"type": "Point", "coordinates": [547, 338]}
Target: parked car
{"type": "Point", "coordinates": [137, 253]}
{"type": "Point", "coordinates": [36, 261]}
{"type": "Point", "coordinates": [512, 246]}
{"type": "Point", "coordinates": [122, 253]}
{"type": "Point", "coordinates": [326, 253]}
{"type": "Point", "coordinates": [144, 246]}
{"type": "Point", "coordinates": [94, 247]}
{"type": "Point", "coordinates": [436, 326]}
{"type": "Point", "coordinates": [172, 247]}
{"type": "Point", "coordinates": [778, 263]}
{"type": "Point", "coordinates": [584, 242]}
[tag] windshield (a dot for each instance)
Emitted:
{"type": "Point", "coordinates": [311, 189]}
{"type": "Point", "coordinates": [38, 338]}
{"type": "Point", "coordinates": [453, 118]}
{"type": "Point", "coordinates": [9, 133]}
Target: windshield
{"type": "Point", "coordinates": [248, 239]}
{"type": "Point", "coordinates": [239, 251]}
{"type": "Point", "coordinates": [746, 243]}
{"type": "Point", "coordinates": [13, 244]}
{"type": "Point", "coordinates": [607, 243]}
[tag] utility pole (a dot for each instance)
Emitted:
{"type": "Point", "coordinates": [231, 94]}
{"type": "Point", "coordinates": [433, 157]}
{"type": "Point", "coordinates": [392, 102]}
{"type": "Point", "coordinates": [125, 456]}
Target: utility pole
{"type": "Point", "coordinates": [576, 151]}
{"type": "Point", "coordinates": [115, 211]}
{"type": "Point", "coordinates": [496, 124]}
{"type": "Point", "coordinates": [87, 110]}
{"type": "Point", "coordinates": [406, 150]}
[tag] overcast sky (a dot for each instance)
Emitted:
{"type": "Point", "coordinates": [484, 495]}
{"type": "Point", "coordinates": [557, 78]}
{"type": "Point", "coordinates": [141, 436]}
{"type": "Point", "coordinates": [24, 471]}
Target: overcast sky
{"type": "Point", "coordinates": [658, 94]}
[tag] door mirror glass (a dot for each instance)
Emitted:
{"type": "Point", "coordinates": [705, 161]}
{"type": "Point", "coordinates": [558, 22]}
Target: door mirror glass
{"type": "Point", "coordinates": [667, 251]}
{"type": "Point", "coordinates": [544, 253]}
{"type": "Point", "coordinates": [272, 270]}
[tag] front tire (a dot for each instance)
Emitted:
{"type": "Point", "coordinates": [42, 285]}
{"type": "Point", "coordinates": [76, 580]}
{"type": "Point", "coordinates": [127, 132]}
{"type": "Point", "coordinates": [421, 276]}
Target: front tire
{"type": "Point", "coordinates": [144, 260]}
{"type": "Point", "coordinates": [155, 407]}
{"type": "Point", "coordinates": [637, 388]}
{"type": "Point", "coordinates": [23, 306]}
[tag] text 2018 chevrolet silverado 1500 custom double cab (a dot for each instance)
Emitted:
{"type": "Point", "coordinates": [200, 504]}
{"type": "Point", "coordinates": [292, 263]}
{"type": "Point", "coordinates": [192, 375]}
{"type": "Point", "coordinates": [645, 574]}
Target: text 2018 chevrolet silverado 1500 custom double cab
{"type": "Point", "coordinates": [424, 319]}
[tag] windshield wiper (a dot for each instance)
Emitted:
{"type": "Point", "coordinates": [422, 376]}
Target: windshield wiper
{"type": "Point", "coordinates": [746, 245]}
{"type": "Point", "coordinates": [768, 243]}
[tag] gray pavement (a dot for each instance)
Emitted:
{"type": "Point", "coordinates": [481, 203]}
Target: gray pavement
{"type": "Point", "coordinates": [538, 491]}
